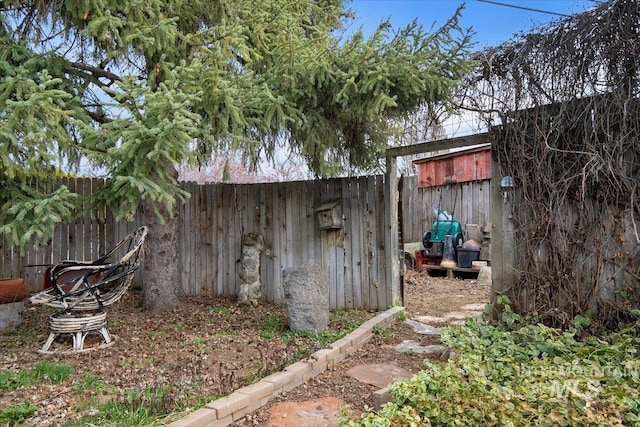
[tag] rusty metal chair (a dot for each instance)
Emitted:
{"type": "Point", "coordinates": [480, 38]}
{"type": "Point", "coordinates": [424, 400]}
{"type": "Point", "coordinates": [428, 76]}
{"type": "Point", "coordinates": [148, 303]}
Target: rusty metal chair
{"type": "Point", "coordinates": [81, 290]}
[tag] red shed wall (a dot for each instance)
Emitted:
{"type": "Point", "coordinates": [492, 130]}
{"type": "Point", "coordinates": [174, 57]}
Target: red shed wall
{"type": "Point", "coordinates": [460, 167]}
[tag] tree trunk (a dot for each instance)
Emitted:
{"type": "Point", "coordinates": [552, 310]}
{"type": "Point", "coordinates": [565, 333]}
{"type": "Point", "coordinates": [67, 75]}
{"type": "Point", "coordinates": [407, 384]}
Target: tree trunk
{"type": "Point", "coordinates": [161, 281]}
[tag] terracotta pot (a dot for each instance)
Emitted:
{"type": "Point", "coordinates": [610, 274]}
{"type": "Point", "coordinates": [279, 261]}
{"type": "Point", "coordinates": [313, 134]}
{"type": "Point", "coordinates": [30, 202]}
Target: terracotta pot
{"type": "Point", "coordinates": [13, 290]}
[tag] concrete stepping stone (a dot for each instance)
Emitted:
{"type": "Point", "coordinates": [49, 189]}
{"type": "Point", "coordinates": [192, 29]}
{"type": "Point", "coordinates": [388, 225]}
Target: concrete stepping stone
{"type": "Point", "coordinates": [454, 316]}
{"type": "Point", "coordinates": [429, 320]}
{"type": "Point", "coordinates": [321, 412]}
{"type": "Point", "coordinates": [422, 328]}
{"type": "Point", "coordinates": [462, 315]}
{"type": "Point", "coordinates": [379, 375]}
{"type": "Point", "coordinates": [411, 345]}
{"type": "Point", "coordinates": [479, 306]}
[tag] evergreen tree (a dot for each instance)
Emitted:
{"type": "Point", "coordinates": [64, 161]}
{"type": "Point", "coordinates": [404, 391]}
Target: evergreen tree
{"type": "Point", "coordinates": [137, 87]}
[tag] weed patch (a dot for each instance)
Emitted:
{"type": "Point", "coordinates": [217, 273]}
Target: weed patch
{"type": "Point", "coordinates": [135, 407]}
{"type": "Point", "coordinates": [45, 372]}
{"type": "Point", "coordinates": [14, 415]}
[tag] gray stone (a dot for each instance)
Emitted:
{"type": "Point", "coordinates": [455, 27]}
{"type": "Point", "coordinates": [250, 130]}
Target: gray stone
{"type": "Point", "coordinates": [11, 315]}
{"type": "Point", "coordinates": [447, 354]}
{"type": "Point", "coordinates": [431, 320]}
{"type": "Point", "coordinates": [474, 307]}
{"type": "Point", "coordinates": [423, 329]}
{"type": "Point", "coordinates": [250, 286]}
{"type": "Point", "coordinates": [306, 294]}
{"type": "Point", "coordinates": [413, 346]}
{"type": "Point", "coordinates": [380, 397]}
{"type": "Point", "coordinates": [462, 315]}
{"type": "Point", "coordinates": [454, 317]}
{"type": "Point", "coordinates": [378, 374]}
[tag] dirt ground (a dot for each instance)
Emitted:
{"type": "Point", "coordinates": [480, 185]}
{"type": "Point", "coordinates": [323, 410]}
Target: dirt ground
{"type": "Point", "coordinates": [209, 347]}
{"type": "Point", "coordinates": [424, 295]}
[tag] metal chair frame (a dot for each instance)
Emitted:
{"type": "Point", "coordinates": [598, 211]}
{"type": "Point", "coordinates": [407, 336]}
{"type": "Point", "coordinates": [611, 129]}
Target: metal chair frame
{"type": "Point", "coordinates": [81, 290]}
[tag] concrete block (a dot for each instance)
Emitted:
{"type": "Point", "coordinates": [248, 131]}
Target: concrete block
{"type": "Point", "coordinates": [314, 373]}
{"type": "Point", "coordinates": [368, 326]}
{"type": "Point", "coordinates": [229, 404]}
{"type": "Point", "coordinates": [330, 354]}
{"type": "Point", "coordinates": [343, 344]}
{"type": "Point", "coordinates": [299, 368]}
{"type": "Point", "coordinates": [317, 359]}
{"type": "Point", "coordinates": [280, 380]}
{"type": "Point", "coordinates": [257, 390]}
{"type": "Point", "coordinates": [200, 418]}
{"type": "Point", "coordinates": [319, 364]}
{"type": "Point", "coordinates": [339, 358]}
{"type": "Point", "coordinates": [384, 319]}
{"type": "Point", "coordinates": [293, 384]}
{"type": "Point", "coordinates": [263, 401]}
{"type": "Point", "coordinates": [358, 336]}
{"type": "Point", "coordinates": [391, 315]}
{"type": "Point", "coordinates": [380, 397]}
{"type": "Point", "coordinates": [363, 342]}
{"type": "Point", "coordinates": [241, 413]}
{"type": "Point", "coordinates": [224, 422]}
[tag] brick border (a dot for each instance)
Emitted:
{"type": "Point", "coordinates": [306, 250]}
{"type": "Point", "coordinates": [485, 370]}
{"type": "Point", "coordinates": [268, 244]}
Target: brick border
{"type": "Point", "coordinates": [226, 410]}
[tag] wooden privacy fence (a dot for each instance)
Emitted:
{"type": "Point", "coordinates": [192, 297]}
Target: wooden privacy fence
{"type": "Point", "coordinates": [212, 222]}
{"type": "Point", "coordinates": [470, 203]}
{"type": "Point", "coordinates": [86, 238]}
{"type": "Point", "coordinates": [216, 217]}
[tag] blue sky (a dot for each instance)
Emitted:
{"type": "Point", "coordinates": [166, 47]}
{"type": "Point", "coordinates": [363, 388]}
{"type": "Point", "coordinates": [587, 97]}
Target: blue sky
{"type": "Point", "coordinates": [492, 23]}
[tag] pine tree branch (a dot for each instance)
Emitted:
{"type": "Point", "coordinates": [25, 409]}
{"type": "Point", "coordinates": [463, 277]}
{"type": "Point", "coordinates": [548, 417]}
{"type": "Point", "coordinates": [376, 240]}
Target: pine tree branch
{"type": "Point", "coordinates": [98, 117]}
{"type": "Point", "coordinates": [97, 72]}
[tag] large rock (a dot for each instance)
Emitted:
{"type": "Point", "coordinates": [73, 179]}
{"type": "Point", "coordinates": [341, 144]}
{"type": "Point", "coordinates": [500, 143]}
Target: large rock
{"type": "Point", "coordinates": [306, 294]}
{"type": "Point", "coordinates": [11, 315]}
{"type": "Point", "coordinates": [250, 286]}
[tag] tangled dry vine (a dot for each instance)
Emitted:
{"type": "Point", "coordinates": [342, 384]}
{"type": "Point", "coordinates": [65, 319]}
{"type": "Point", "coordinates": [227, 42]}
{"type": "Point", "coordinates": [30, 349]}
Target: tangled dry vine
{"type": "Point", "coordinates": [563, 111]}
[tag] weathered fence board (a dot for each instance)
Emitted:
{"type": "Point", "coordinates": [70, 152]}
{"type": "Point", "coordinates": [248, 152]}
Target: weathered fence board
{"type": "Point", "coordinates": [375, 241]}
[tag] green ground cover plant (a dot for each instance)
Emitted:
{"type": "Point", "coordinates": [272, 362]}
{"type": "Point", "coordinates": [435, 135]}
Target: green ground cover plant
{"type": "Point", "coordinates": [46, 372]}
{"type": "Point", "coordinates": [517, 373]}
{"type": "Point", "coordinates": [51, 373]}
{"type": "Point", "coordinates": [16, 414]}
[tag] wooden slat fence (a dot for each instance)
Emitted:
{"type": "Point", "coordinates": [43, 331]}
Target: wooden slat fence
{"type": "Point", "coordinates": [213, 220]}
{"type": "Point", "coordinates": [470, 203]}
{"type": "Point", "coordinates": [211, 225]}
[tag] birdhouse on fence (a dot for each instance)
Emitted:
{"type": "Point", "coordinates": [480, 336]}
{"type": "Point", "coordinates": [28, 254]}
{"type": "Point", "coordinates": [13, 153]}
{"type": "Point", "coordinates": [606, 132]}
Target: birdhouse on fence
{"type": "Point", "coordinates": [329, 215]}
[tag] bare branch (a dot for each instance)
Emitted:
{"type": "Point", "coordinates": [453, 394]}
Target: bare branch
{"type": "Point", "coordinates": [96, 71]}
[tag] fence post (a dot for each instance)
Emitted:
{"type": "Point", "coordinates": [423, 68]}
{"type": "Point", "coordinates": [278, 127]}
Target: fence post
{"type": "Point", "coordinates": [502, 245]}
{"type": "Point", "coordinates": [392, 242]}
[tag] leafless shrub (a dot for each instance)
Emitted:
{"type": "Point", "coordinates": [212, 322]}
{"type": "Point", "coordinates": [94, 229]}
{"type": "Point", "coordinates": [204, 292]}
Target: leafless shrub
{"type": "Point", "coordinates": [563, 110]}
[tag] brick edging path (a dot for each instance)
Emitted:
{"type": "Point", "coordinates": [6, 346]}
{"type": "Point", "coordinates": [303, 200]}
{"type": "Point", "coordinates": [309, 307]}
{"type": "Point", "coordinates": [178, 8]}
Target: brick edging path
{"type": "Point", "coordinates": [226, 410]}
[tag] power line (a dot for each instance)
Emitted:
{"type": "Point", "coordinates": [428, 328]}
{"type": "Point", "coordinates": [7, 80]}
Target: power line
{"type": "Point", "coordinates": [531, 9]}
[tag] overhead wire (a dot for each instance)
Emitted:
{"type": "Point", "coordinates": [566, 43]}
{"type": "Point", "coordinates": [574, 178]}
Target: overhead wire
{"type": "Point", "coordinates": [515, 6]}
